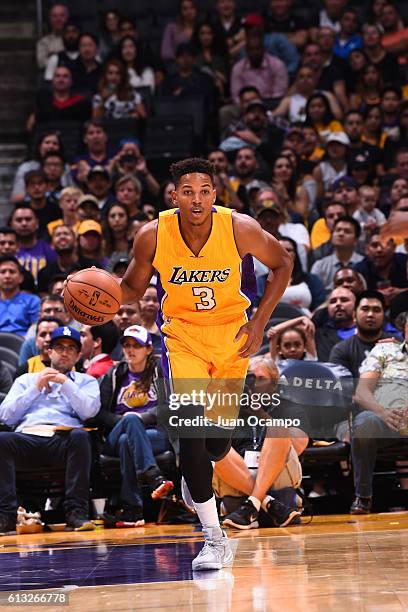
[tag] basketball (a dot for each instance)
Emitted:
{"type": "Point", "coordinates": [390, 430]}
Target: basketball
{"type": "Point", "coordinates": [92, 296]}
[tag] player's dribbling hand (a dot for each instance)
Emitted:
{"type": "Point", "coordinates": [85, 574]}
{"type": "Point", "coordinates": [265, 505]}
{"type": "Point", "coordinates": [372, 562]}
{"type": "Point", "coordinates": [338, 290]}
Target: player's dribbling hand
{"type": "Point", "coordinates": [254, 333]}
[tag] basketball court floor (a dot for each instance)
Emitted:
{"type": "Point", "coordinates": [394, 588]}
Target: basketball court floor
{"type": "Point", "coordinates": [336, 563]}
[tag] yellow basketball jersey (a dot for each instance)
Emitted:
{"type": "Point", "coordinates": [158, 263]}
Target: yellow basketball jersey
{"type": "Point", "coordinates": [205, 289]}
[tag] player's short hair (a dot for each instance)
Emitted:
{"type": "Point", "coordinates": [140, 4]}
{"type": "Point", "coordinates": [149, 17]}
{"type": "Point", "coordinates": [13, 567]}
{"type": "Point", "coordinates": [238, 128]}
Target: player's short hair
{"type": "Point", "coordinates": [191, 165]}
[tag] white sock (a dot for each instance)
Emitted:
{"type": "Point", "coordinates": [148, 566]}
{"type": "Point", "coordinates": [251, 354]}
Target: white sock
{"type": "Point", "coordinates": [255, 501]}
{"type": "Point", "coordinates": [207, 513]}
{"type": "Point", "coordinates": [266, 501]}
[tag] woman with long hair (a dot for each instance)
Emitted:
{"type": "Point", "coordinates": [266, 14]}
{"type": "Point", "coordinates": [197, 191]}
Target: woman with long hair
{"type": "Point", "coordinates": [356, 61]}
{"type": "Point", "coordinates": [115, 231]}
{"type": "Point", "coordinates": [319, 114]}
{"type": "Point", "coordinates": [165, 200]}
{"type": "Point", "coordinates": [110, 34]}
{"type": "Point", "coordinates": [139, 74]}
{"type": "Point", "coordinates": [368, 88]}
{"type": "Point", "coordinates": [116, 99]}
{"type": "Point", "coordinates": [373, 133]}
{"type": "Point", "coordinates": [128, 417]}
{"type": "Point", "coordinates": [211, 55]}
{"type": "Point", "coordinates": [179, 31]}
{"type": "Point", "coordinates": [285, 184]}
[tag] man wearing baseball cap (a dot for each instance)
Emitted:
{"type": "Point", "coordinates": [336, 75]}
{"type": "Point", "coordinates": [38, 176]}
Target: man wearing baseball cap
{"type": "Point", "coordinates": [129, 419]}
{"type": "Point", "coordinates": [99, 185]}
{"type": "Point", "coordinates": [47, 410]}
{"type": "Point", "coordinates": [345, 191]}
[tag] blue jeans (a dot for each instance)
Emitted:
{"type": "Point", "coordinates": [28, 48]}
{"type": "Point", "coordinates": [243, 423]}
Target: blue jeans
{"type": "Point", "coordinates": [136, 447]}
{"type": "Point", "coordinates": [369, 434]}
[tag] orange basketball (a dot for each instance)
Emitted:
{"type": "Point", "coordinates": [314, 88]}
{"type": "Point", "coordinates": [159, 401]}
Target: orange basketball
{"type": "Point", "coordinates": [92, 296]}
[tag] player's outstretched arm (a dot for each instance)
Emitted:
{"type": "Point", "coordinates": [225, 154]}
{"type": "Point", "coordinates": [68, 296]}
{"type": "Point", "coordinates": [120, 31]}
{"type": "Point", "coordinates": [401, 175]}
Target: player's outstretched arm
{"type": "Point", "coordinates": [251, 238]}
{"type": "Point", "coordinates": [140, 270]}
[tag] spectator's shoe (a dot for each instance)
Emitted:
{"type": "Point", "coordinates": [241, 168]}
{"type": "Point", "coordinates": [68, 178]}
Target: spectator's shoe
{"type": "Point", "coordinates": [216, 552]}
{"type": "Point", "coordinates": [361, 505]}
{"type": "Point", "coordinates": [245, 517]}
{"type": "Point", "coordinates": [7, 523]}
{"type": "Point", "coordinates": [281, 515]}
{"type": "Point", "coordinates": [160, 487]}
{"type": "Point", "coordinates": [131, 516]}
{"type": "Point", "coordinates": [78, 521]}
{"type": "Point", "coordinates": [186, 495]}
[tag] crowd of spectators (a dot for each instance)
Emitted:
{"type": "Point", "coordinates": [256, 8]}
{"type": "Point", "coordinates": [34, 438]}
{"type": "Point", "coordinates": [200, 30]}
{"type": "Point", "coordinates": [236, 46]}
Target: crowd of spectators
{"type": "Point", "coordinates": [305, 118]}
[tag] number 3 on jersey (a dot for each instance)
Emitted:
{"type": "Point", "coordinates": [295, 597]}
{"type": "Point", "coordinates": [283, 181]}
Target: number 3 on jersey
{"type": "Point", "coordinates": [206, 295]}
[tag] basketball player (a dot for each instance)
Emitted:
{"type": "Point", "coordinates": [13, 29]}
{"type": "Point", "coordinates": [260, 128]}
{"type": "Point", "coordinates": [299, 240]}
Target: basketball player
{"type": "Point", "coordinates": [197, 250]}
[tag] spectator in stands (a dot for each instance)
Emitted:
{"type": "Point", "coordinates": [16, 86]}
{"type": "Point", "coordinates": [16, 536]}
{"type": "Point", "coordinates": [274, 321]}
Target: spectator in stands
{"type": "Point", "coordinates": [88, 208]}
{"type": "Point", "coordinates": [115, 229]}
{"type": "Point", "coordinates": [328, 68]}
{"type": "Point", "coordinates": [356, 61]}
{"type": "Point", "coordinates": [129, 160]}
{"type": "Point", "coordinates": [86, 70]}
{"type": "Point", "coordinates": [390, 102]}
{"type": "Point", "coordinates": [382, 268]}
{"type": "Point", "coordinates": [339, 325]}
{"type": "Point", "coordinates": [275, 43]}
{"type": "Point", "coordinates": [128, 191]}
{"type": "Point", "coordinates": [345, 235]}
{"type": "Point", "coordinates": [348, 38]}
{"type": "Point", "coordinates": [127, 315]}
{"type": "Point", "coordinates": [97, 152]}
{"type": "Point", "coordinates": [70, 52]}
{"type": "Point", "coordinates": [68, 203]}
{"type": "Point", "coordinates": [90, 242]}
{"type": "Point", "coordinates": [368, 88]}
{"type": "Point", "coordinates": [97, 343]}
{"type": "Point", "coordinates": [395, 34]}
{"type": "Point", "coordinates": [349, 279]}
{"type": "Point", "coordinates": [392, 147]}
{"type": "Point", "coordinates": [369, 315]}
{"type": "Point", "coordinates": [274, 219]}
{"type": "Point", "coordinates": [368, 215]}
{"type": "Point", "coordinates": [44, 328]}
{"type": "Point", "coordinates": [165, 199]}
{"type": "Point", "coordinates": [372, 132]}
{"type": "Point", "coordinates": [129, 418]}
{"type": "Point", "coordinates": [115, 98]}
{"type": "Point", "coordinates": [334, 164]}
{"type": "Point", "coordinates": [329, 16]}
{"type": "Point", "coordinates": [99, 185]}
{"type": "Point", "coordinates": [228, 27]}
{"type": "Point", "coordinates": [178, 32]}
{"type": "Point", "coordinates": [289, 190]}
{"type": "Point", "coordinates": [9, 246]}
{"type": "Point", "coordinates": [245, 168]}
{"type": "Point", "coordinates": [345, 191]}
{"type": "Point", "coordinates": [17, 309]}
{"type": "Point", "coordinates": [293, 106]}
{"type": "Point", "coordinates": [387, 63]}
{"type": "Point", "coordinates": [292, 339]}
{"type": "Point", "coordinates": [33, 253]}
{"type": "Point", "coordinates": [281, 19]}
{"type": "Point", "coordinates": [63, 241]}
{"type": "Point", "coordinates": [53, 166]}
{"type": "Point", "coordinates": [305, 290]}
{"type": "Point", "coordinates": [53, 42]}
{"type": "Point", "coordinates": [353, 127]}
{"type": "Point", "coordinates": [268, 74]}
{"type": "Point", "coordinates": [149, 307]}
{"type": "Point", "coordinates": [51, 306]}
{"type": "Point", "coordinates": [139, 73]}
{"type": "Point", "coordinates": [44, 207]}
{"type": "Point", "coordinates": [75, 398]}
{"type": "Point", "coordinates": [211, 56]}
{"type": "Point", "coordinates": [254, 130]}
{"type": "Point", "coordinates": [48, 142]}
{"type": "Point", "coordinates": [322, 229]}
{"type": "Point", "coordinates": [59, 104]}
{"type": "Point", "coordinates": [110, 35]}
{"type": "Point", "coordinates": [381, 395]}
{"type": "Point", "coordinates": [57, 284]}
{"type": "Point", "coordinates": [188, 80]}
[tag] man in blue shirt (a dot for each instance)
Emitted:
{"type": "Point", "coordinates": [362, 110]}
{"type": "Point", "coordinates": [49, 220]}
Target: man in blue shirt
{"type": "Point", "coordinates": [17, 310]}
{"type": "Point", "coordinates": [36, 404]}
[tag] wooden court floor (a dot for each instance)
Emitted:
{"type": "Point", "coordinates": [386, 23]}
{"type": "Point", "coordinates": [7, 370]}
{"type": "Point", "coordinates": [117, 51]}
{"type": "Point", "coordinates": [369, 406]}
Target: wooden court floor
{"type": "Point", "coordinates": [336, 563]}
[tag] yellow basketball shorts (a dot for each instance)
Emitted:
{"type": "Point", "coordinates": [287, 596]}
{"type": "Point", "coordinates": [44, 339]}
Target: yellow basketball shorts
{"type": "Point", "coordinates": [203, 367]}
